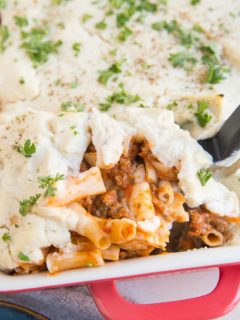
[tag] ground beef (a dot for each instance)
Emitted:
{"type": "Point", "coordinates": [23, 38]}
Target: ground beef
{"type": "Point", "coordinates": [84, 166]}
{"type": "Point", "coordinates": [106, 206]}
{"type": "Point", "coordinates": [202, 221]}
{"type": "Point", "coordinates": [122, 172]}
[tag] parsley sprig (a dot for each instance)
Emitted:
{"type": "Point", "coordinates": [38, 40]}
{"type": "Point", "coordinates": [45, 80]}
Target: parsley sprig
{"type": "Point", "coordinates": [182, 60]}
{"type": "Point", "coordinates": [26, 205]}
{"type": "Point", "coordinates": [115, 69]}
{"type": "Point", "coordinates": [120, 97]}
{"type": "Point", "coordinates": [69, 106]}
{"type": "Point", "coordinates": [204, 175]}
{"type": "Point", "coordinates": [185, 37]}
{"type": "Point", "coordinates": [202, 115]}
{"type": "Point", "coordinates": [216, 71]}
{"type": "Point", "coordinates": [6, 237]}
{"type": "Point", "coordinates": [23, 257]}
{"type": "Point", "coordinates": [27, 149]}
{"type": "Point", "coordinates": [76, 48]}
{"type": "Point", "coordinates": [37, 45]}
{"type": "Point", "coordinates": [4, 35]}
{"type": "Point", "coordinates": [48, 183]}
{"type": "Point", "coordinates": [21, 21]}
{"type": "Point", "coordinates": [3, 4]}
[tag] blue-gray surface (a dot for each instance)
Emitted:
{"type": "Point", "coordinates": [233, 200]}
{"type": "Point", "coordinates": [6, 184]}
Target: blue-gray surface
{"type": "Point", "coordinates": [70, 303]}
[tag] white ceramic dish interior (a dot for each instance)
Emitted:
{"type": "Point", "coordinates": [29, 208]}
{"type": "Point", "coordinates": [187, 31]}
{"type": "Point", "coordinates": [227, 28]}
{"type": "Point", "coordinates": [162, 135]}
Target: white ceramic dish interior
{"type": "Point", "coordinates": [126, 268]}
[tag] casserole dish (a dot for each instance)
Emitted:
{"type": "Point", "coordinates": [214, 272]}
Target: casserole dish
{"type": "Point", "coordinates": [113, 306]}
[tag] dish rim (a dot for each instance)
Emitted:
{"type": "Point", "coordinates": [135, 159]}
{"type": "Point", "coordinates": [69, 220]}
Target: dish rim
{"type": "Point", "coordinates": [170, 262]}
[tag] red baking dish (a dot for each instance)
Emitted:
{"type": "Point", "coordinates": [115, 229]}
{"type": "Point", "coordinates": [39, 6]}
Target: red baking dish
{"type": "Point", "coordinates": [113, 306]}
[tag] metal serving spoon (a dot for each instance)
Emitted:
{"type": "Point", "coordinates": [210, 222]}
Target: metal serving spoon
{"type": "Point", "coordinates": [227, 139]}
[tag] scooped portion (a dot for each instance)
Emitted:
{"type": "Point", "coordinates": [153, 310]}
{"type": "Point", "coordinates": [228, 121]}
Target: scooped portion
{"type": "Point", "coordinates": [82, 188]}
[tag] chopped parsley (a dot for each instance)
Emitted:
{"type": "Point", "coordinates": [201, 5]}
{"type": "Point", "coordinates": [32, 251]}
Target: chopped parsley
{"type": "Point", "coordinates": [158, 26]}
{"type": "Point", "coordinates": [86, 17]}
{"type": "Point", "coordinates": [4, 35]}
{"type": "Point", "coordinates": [74, 84]}
{"type": "Point", "coordinates": [61, 25]}
{"type": "Point", "coordinates": [185, 37]}
{"type": "Point", "coordinates": [37, 45]}
{"type": "Point", "coordinates": [70, 106]}
{"type": "Point", "coordinates": [121, 97]}
{"type": "Point", "coordinates": [74, 130]}
{"type": "Point", "coordinates": [76, 48]}
{"type": "Point", "coordinates": [27, 149]}
{"type": "Point", "coordinates": [123, 18]}
{"type": "Point", "coordinates": [101, 25]}
{"type": "Point", "coordinates": [202, 115]}
{"type": "Point", "coordinates": [216, 71]}
{"type": "Point", "coordinates": [204, 175]}
{"type": "Point", "coordinates": [6, 236]}
{"type": "Point", "coordinates": [124, 34]}
{"type": "Point", "coordinates": [48, 183]}
{"type": "Point", "coordinates": [115, 69]}
{"type": "Point", "coordinates": [181, 59]}
{"type": "Point", "coordinates": [26, 205]}
{"type": "Point", "coordinates": [3, 4]}
{"type": "Point", "coordinates": [21, 21]}
{"type": "Point", "coordinates": [23, 257]}
{"type": "Point", "coordinates": [21, 81]}
{"type": "Point", "coordinates": [172, 105]}
{"type": "Point", "coordinates": [59, 2]}
{"type": "Point", "coordinates": [194, 2]}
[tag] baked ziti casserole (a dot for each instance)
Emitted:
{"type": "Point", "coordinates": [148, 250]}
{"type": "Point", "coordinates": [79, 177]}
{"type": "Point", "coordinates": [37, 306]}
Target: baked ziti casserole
{"type": "Point", "coordinates": [102, 103]}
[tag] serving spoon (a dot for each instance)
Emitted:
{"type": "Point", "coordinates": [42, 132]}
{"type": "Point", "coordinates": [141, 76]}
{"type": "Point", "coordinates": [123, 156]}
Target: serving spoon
{"type": "Point", "coordinates": [227, 139]}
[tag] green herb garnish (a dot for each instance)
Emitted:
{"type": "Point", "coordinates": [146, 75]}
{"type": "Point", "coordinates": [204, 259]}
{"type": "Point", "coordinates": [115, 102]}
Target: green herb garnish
{"type": "Point", "coordinates": [6, 236]}
{"type": "Point", "coordinates": [203, 117]}
{"type": "Point", "coordinates": [70, 106]}
{"type": "Point", "coordinates": [74, 130]}
{"type": "Point", "coordinates": [204, 175]}
{"type": "Point", "coordinates": [4, 35]}
{"type": "Point", "coordinates": [37, 45]}
{"type": "Point", "coordinates": [27, 204]}
{"type": "Point", "coordinates": [21, 21]}
{"type": "Point", "coordinates": [101, 25]}
{"type": "Point", "coordinates": [48, 183]}
{"type": "Point", "coordinates": [76, 48]}
{"type": "Point", "coordinates": [21, 81]}
{"type": "Point", "coordinates": [23, 257]}
{"type": "Point", "coordinates": [194, 2]}
{"type": "Point", "coordinates": [27, 149]}
{"type": "Point", "coordinates": [124, 34]}
{"type": "Point", "coordinates": [86, 17]}
{"type": "Point", "coordinates": [115, 69]}
{"type": "Point", "coordinates": [172, 105]}
{"type": "Point", "coordinates": [121, 97]}
{"type": "Point", "coordinates": [181, 59]}
{"type": "Point", "coordinates": [216, 70]}
{"type": "Point", "coordinates": [3, 4]}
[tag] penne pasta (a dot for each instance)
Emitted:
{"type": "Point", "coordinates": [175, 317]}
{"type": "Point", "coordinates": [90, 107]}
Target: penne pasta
{"type": "Point", "coordinates": [89, 227]}
{"type": "Point", "coordinates": [87, 183]}
{"type": "Point", "coordinates": [177, 210]}
{"type": "Point", "coordinates": [140, 202]}
{"type": "Point", "coordinates": [91, 158]}
{"type": "Point", "coordinates": [111, 253]}
{"type": "Point", "coordinates": [56, 262]}
{"type": "Point", "coordinates": [151, 173]}
{"type": "Point", "coordinates": [165, 192]}
{"type": "Point", "coordinates": [118, 230]}
{"type": "Point", "coordinates": [213, 238]}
